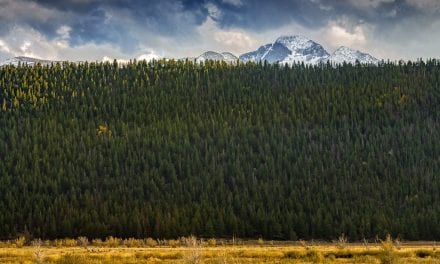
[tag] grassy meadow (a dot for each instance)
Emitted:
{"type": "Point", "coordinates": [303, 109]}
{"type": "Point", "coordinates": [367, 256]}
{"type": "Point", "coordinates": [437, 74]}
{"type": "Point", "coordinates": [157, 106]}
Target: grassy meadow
{"type": "Point", "coordinates": [197, 251]}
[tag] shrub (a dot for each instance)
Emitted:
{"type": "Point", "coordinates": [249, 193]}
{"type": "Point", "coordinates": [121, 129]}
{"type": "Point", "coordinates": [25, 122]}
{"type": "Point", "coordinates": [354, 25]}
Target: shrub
{"type": "Point", "coordinates": [97, 242]}
{"type": "Point", "coordinates": [190, 241]}
{"type": "Point", "coordinates": [304, 244]}
{"type": "Point", "coordinates": [112, 241]}
{"type": "Point", "coordinates": [388, 255]}
{"type": "Point", "coordinates": [132, 242]}
{"type": "Point", "coordinates": [212, 242]}
{"type": "Point", "coordinates": [82, 241]}
{"type": "Point", "coordinates": [20, 241]}
{"type": "Point", "coordinates": [342, 241]}
{"type": "Point", "coordinates": [150, 242]}
{"type": "Point", "coordinates": [365, 242]}
{"type": "Point", "coordinates": [58, 243]}
{"type": "Point", "coordinates": [173, 243]}
{"type": "Point", "coordinates": [36, 243]}
{"type": "Point", "coordinates": [68, 242]}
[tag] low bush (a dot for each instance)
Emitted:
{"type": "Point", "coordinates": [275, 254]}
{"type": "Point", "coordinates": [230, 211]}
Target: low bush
{"type": "Point", "coordinates": [173, 243]}
{"type": "Point", "coordinates": [190, 241]}
{"type": "Point", "coordinates": [97, 242]}
{"type": "Point", "coordinates": [82, 241]}
{"type": "Point", "coordinates": [388, 254]}
{"type": "Point", "coordinates": [133, 243]}
{"type": "Point", "coordinates": [112, 242]}
{"type": "Point", "coordinates": [68, 242]}
{"type": "Point", "coordinates": [20, 241]}
{"type": "Point", "coordinates": [150, 242]}
{"type": "Point", "coordinates": [212, 242]}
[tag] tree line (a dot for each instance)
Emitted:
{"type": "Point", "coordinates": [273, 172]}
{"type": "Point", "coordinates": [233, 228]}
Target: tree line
{"type": "Point", "coordinates": [166, 149]}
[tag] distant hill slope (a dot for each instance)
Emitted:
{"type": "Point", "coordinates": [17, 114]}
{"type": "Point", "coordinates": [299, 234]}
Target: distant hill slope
{"type": "Point", "coordinates": [25, 61]}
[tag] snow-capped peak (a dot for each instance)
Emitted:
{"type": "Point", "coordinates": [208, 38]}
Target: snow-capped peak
{"type": "Point", "coordinates": [303, 50]}
{"type": "Point", "coordinates": [348, 55]}
{"type": "Point", "coordinates": [212, 55]}
{"type": "Point", "coordinates": [294, 42]}
{"type": "Point", "coordinates": [288, 49]}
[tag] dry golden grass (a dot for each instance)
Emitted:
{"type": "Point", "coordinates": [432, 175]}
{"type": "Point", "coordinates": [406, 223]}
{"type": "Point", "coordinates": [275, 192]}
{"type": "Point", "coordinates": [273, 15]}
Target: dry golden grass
{"type": "Point", "coordinates": [204, 253]}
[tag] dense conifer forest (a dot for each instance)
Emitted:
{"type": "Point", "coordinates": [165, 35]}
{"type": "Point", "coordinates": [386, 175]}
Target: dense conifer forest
{"type": "Point", "coordinates": [172, 148]}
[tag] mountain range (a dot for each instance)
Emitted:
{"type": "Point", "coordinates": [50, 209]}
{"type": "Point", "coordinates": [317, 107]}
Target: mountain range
{"type": "Point", "coordinates": [290, 49]}
{"type": "Point", "coordinates": [285, 49]}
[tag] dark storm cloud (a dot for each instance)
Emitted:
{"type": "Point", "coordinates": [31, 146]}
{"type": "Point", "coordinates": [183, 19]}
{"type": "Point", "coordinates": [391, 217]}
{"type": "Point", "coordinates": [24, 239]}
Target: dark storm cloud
{"type": "Point", "coordinates": [89, 21]}
{"type": "Point", "coordinates": [110, 21]}
{"type": "Point", "coordinates": [128, 23]}
{"type": "Point", "coordinates": [262, 15]}
{"type": "Point", "coordinates": [161, 14]}
{"type": "Point", "coordinates": [76, 6]}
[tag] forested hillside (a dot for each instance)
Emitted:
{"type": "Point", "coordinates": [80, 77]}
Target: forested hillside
{"type": "Point", "coordinates": [168, 149]}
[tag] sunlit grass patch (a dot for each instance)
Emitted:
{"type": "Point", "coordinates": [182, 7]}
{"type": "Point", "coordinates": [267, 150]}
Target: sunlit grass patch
{"type": "Point", "coordinates": [225, 254]}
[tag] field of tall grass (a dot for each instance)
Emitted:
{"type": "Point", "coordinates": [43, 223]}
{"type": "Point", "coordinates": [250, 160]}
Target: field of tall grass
{"type": "Point", "coordinates": [192, 250]}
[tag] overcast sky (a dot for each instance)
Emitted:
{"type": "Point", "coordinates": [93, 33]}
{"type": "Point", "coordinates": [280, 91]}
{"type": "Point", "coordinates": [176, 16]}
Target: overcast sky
{"type": "Point", "coordinates": [94, 29]}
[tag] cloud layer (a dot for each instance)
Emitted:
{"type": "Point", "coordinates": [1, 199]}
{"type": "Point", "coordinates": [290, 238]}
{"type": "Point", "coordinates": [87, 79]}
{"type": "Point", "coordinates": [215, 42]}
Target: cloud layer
{"type": "Point", "coordinates": [93, 29]}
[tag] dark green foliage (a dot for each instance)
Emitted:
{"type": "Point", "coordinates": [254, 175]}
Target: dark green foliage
{"type": "Point", "coordinates": [169, 149]}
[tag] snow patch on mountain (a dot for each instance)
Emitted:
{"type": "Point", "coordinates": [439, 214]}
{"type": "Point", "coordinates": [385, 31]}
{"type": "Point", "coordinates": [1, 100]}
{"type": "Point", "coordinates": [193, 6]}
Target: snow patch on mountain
{"type": "Point", "coordinates": [229, 56]}
{"type": "Point", "coordinates": [348, 55]}
{"type": "Point", "coordinates": [216, 56]}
